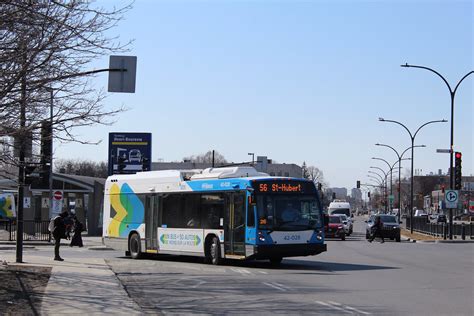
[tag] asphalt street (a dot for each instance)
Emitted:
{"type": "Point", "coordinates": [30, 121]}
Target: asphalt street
{"type": "Point", "coordinates": [352, 277]}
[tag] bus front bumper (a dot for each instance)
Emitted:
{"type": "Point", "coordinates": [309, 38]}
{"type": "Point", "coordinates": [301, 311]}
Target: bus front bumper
{"type": "Point", "coordinates": [289, 250]}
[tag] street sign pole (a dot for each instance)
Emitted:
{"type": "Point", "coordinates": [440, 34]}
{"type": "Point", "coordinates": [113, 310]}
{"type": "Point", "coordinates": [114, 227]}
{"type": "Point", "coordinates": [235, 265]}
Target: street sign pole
{"type": "Point", "coordinates": [451, 199]}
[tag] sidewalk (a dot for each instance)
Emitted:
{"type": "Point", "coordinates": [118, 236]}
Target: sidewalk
{"type": "Point", "coordinates": [82, 285]}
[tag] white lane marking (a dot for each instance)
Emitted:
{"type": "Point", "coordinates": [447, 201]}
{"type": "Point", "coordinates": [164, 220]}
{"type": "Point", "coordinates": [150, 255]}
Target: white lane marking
{"type": "Point", "coordinates": [200, 283]}
{"type": "Point", "coordinates": [341, 307]}
{"type": "Point", "coordinates": [241, 271]}
{"type": "Point", "coordinates": [333, 307]}
{"type": "Point", "coordinates": [356, 310]}
{"type": "Point", "coordinates": [275, 286]}
{"type": "Point", "coordinates": [263, 272]}
{"type": "Point", "coordinates": [282, 286]}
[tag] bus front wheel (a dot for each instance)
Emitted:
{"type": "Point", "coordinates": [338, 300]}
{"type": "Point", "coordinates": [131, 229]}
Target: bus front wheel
{"type": "Point", "coordinates": [215, 251]}
{"type": "Point", "coordinates": [134, 246]}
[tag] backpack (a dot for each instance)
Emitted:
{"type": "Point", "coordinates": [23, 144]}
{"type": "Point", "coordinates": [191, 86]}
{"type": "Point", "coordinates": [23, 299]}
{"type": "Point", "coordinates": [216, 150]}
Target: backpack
{"type": "Point", "coordinates": [51, 225]}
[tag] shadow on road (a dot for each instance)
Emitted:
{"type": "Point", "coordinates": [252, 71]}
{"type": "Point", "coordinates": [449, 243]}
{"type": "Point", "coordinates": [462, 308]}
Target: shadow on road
{"type": "Point", "coordinates": [287, 264]}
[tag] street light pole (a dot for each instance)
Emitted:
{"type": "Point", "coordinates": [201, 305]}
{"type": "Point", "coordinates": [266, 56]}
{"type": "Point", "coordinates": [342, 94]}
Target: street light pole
{"type": "Point", "coordinates": [412, 137]}
{"type": "Point", "coordinates": [399, 171]}
{"type": "Point", "coordinates": [384, 185]}
{"type": "Point", "coordinates": [386, 175]}
{"type": "Point", "coordinates": [51, 99]}
{"type": "Point", "coordinates": [452, 94]}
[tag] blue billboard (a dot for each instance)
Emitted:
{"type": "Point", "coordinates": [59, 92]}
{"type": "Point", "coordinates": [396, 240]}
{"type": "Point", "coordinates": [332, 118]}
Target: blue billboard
{"type": "Point", "coordinates": [129, 152]}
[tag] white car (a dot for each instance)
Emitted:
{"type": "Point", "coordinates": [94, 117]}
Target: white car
{"type": "Point", "coordinates": [347, 223]}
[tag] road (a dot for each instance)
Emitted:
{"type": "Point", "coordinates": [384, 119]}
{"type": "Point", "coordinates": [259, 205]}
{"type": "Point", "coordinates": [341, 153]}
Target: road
{"type": "Point", "coordinates": [353, 277]}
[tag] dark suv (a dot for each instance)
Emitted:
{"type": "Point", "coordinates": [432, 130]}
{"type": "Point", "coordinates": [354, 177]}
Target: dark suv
{"type": "Point", "coordinates": [391, 228]}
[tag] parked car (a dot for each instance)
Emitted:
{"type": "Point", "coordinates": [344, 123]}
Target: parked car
{"type": "Point", "coordinates": [335, 228]}
{"type": "Point", "coordinates": [441, 218]}
{"type": "Point", "coordinates": [347, 223]}
{"type": "Point", "coordinates": [391, 227]}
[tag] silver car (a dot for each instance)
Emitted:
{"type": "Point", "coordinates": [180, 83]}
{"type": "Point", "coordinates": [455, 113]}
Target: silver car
{"type": "Point", "coordinates": [347, 223]}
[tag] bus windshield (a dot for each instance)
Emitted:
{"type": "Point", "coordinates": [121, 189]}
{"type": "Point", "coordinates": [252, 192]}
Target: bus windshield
{"type": "Point", "coordinates": [288, 212]}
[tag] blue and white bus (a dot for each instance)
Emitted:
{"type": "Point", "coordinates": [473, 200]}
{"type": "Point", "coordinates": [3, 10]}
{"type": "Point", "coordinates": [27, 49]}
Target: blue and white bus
{"type": "Point", "coordinates": [218, 213]}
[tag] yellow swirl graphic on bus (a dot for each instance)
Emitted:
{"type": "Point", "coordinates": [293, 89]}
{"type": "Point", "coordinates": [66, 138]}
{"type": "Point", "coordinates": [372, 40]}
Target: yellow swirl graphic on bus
{"type": "Point", "coordinates": [114, 227]}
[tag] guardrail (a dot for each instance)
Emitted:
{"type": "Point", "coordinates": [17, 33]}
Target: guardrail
{"type": "Point", "coordinates": [421, 225]}
{"type": "Point", "coordinates": [33, 230]}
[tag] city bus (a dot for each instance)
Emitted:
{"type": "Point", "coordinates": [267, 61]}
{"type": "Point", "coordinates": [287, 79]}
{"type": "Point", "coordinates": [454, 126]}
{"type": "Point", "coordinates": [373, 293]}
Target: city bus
{"type": "Point", "coordinates": [217, 213]}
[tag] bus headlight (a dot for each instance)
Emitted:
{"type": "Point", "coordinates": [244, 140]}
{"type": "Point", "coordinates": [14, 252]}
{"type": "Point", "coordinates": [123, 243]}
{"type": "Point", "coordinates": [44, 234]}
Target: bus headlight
{"type": "Point", "coordinates": [261, 237]}
{"type": "Point", "coordinates": [319, 235]}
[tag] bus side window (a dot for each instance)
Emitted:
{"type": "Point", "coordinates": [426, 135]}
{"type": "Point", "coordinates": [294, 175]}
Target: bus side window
{"type": "Point", "coordinates": [251, 216]}
{"type": "Point", "coordinates": [173, 211]}
{"type": "Point", "coordinates": [212, 208]}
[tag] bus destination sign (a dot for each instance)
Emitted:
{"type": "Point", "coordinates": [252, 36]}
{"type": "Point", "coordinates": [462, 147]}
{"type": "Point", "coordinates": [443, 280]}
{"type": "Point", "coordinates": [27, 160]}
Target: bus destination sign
{"type": "Point", "coordinates": [276, 187]}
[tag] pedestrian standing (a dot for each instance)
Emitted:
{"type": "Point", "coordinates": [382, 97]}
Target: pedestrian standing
{"type": "Point", "coordinates": [77, 237]}
{"type": "Point", "coordinates": [377, 230]}
{"type": "Point", "coordinates": [58, 233]}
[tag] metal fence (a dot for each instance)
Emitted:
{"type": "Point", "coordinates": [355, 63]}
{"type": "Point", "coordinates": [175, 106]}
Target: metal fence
{"type": "Point", "coordinates": [421, 225]}
{"type": "Point", "coordinates": [32, 230]}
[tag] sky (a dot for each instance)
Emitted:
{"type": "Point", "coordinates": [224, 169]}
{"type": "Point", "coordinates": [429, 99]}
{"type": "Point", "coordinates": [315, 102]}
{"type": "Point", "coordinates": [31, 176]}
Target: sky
{"type": "Point", "coordinates": [295, 81]}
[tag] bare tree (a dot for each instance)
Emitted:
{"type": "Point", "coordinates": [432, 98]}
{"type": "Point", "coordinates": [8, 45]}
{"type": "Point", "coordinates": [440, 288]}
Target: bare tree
{"type": "Point", "coordinates": [314, 174]}
{"type": "Point", "coordinates": [82, 167]}
{"type": "Point", "coordinates": [46, 47]}
{"type": "Point", "coordinates": [207, 158]}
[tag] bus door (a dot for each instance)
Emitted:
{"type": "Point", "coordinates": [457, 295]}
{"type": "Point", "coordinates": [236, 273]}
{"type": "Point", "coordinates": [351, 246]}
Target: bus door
{"type": "Point", "coordinates": [152, 207]}
{"type": "Point", "coordinates": [237, 224]}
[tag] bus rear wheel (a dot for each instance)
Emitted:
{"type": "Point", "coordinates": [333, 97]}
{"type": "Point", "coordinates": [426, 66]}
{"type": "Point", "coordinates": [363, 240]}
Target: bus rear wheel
{"type": "Point", "coordinates": [134, 246]}
{"type": "Point", "coordinates": [214, 251]}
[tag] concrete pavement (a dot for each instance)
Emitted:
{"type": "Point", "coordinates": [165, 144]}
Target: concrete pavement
{"type": "Point", "coordinates": [82, 284]}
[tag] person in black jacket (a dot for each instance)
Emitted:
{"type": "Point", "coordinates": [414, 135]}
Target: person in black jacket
{"type": "Point", "coordinates": [77, 237]}
{"type": "Point", "coordinates": [377, 230]}
{"type": "Point", "coordinates": [58, 233]}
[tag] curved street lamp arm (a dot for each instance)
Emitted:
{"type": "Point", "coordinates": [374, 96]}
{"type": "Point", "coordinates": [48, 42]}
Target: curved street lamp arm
{"type": "Point", "coordinates": [386, 174]}
{"type": "Point", "coordinates": [432, 70]}
{"type": "Point", "coordinates": [396, 122]}
{"type": "Point", "coordinates": [376, 158]}
{"type": "Point", "coordinates": [430, 122]}
{"type": "Point", "coordinates": [374, 178]}
{"type": "Point", "coordinates": [381, 178]}
{"type": "Point", "coordinates": [384, 145]}
{"type": "Point", "coordinates": [469, 73]}
{"type": "Point", "coordinates": [410, 148]}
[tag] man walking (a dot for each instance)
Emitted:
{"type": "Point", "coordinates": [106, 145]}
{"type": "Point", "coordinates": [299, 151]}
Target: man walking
{"type": "Point", "coordinates": [58, 233]}
{"type": "Point", "coordinates": [377, 230]}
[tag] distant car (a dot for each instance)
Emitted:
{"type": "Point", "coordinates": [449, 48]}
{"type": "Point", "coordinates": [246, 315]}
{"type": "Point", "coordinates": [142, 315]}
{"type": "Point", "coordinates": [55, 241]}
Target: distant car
{"type": "Point", "coordinates": [335, 228]}
{"type": "Point", "coordinates": [347, 223]}
{"type": "Point", "coordinates": [391, 227]}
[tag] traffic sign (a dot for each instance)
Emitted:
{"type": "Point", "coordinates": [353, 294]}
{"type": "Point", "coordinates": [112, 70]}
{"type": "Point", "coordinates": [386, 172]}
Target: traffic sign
{"type": "Point", "coordinates": [58, 195]}
{"type": "Point", "coordinates": [443, 151]}
{"type": "Point", "coordinates": [451, 198]}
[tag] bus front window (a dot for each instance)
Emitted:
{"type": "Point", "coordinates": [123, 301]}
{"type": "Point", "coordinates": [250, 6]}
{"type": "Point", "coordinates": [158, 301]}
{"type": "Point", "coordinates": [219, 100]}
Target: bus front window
{"type": "Point", "coordinates": [288, 212]}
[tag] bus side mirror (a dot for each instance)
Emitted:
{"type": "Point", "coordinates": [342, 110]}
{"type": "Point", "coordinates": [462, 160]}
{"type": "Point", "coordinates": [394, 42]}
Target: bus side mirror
{"type": "Point", "coordinates": [251, 199]}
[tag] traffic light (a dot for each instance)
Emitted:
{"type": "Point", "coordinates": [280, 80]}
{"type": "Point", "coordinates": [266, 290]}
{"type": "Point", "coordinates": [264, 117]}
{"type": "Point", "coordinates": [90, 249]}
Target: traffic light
{"type": "Point", "coordinates": [457, 170]}
{"type": "Point", "coordinates": [358, 184]}
{"type": "Point", "coordinates": [334, 195]}
{"type": "Point", "coordinates": [320, 186]}
{"type": "Point", "coordinates": [121, 164]}
{"type": "Point", "coordinates": [31, 175]}
{"type": "Point", "coordinates": [145, 164]}
{"type": "Point", "coordinates": [368, 194]}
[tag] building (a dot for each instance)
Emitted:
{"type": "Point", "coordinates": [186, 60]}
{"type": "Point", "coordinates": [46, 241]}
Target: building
{"type": "Point", "coordinates": [263, 164]}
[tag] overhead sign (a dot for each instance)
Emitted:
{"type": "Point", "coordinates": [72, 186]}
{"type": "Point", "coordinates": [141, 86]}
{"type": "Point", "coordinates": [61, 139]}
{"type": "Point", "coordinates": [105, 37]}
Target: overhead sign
{"type": "Point", "coordinates": [451, 198]}
{"type": "Point", "coordinates": [122, 73]}
{"type": "Point", "coordinates": [129, 152]}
